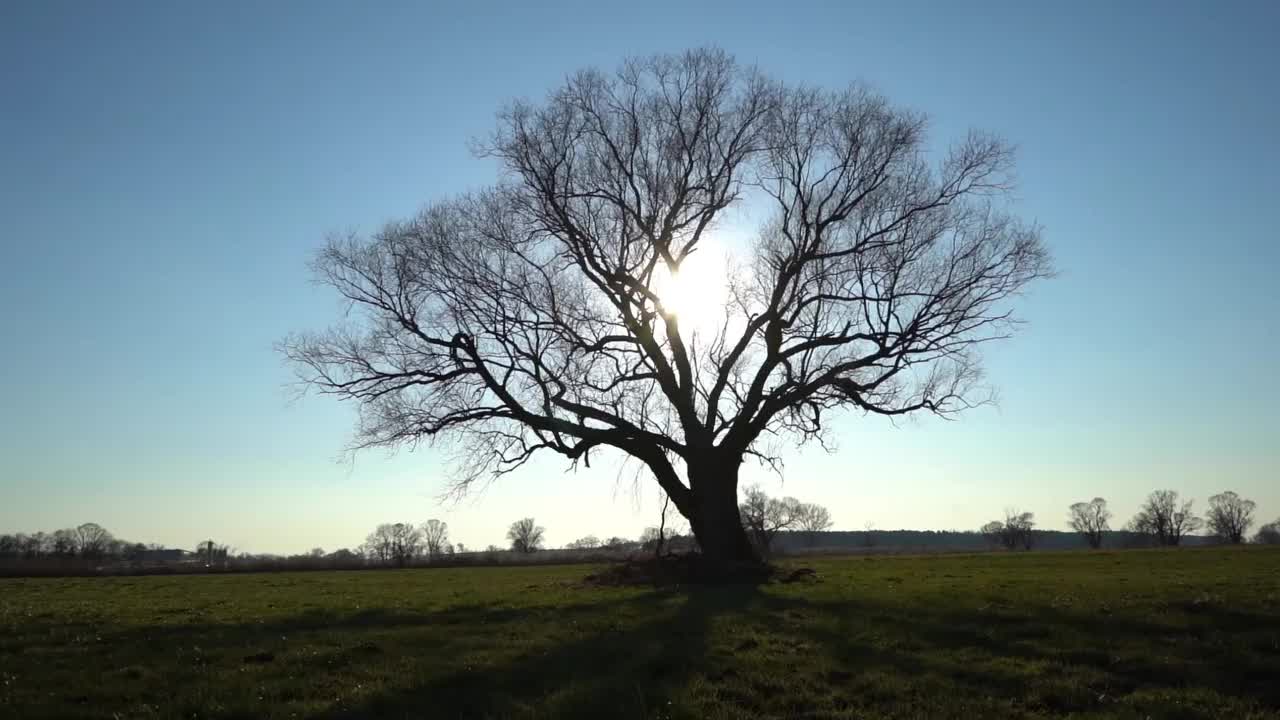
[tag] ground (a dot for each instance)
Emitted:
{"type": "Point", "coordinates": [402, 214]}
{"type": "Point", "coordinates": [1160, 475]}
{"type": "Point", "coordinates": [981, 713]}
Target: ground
{"type": "Point", "coordinates": [1191, 633]}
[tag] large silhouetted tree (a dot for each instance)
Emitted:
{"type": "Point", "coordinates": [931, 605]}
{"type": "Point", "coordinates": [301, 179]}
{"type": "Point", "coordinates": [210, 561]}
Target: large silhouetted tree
{"type": "Point", "coordinates": [528, 316]}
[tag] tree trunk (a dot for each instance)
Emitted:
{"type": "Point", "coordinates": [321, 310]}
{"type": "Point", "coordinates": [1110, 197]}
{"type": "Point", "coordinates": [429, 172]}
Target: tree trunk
{"type": "Point", "coordinates": [714, 515]}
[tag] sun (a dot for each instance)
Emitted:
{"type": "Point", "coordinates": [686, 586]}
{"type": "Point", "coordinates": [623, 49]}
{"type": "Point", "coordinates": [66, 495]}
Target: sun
{"type": "Point", "coordinates": [696, 293]}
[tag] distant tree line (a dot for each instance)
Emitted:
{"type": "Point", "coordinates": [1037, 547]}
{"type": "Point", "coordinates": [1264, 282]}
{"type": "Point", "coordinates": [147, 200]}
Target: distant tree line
{"type": "Point", "coordinates": [773, 525]}
{"type": "Point", "coordinates": [1162, 520]}
{"type": "Point", "coordinates": [89, 542]}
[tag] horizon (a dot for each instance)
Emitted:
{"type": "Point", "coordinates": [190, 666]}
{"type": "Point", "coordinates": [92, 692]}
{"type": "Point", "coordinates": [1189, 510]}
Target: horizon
{"type": "Point", "coordinates": [166, 184]}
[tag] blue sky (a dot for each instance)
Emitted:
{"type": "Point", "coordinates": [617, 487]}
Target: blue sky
{"type": "Point", "coordinates": [166, 171]}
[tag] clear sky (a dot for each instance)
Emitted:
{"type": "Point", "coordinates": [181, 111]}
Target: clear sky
{"type": "Point", "coordinates": [167, 169]}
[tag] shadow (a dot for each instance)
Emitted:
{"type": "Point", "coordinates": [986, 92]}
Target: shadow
{"type": "Point", "coordinates": [777, 650]}
{"type": "Point", "coordinates": [619, 670]}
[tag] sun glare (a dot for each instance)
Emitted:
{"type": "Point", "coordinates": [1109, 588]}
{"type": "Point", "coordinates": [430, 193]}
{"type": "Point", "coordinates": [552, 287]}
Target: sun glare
{"type": "Point", "coordinates": [695, 294]}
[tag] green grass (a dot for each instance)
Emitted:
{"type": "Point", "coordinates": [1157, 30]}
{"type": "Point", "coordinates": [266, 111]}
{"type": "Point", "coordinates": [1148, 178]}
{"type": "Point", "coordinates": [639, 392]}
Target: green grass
{"type": "Point", "coordinates": [1161, 634]}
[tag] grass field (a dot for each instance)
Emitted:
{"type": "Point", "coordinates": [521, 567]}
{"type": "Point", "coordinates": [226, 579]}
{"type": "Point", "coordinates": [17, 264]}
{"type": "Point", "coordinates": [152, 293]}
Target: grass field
{"type": "Point", "coordinates": [1161, 634]}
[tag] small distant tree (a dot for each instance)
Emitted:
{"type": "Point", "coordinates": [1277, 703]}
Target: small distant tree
{"type": "Point", "coordinates": [63, 543]}
{"type": "Point", "coordinates": [993, 532]}
{"type": "Point", "coordinates": [812, 519]}
{"type": "Point", "coordinates": [525, 536]}
{"type": "Point", "coordinates": [1164, 519]}
{"type": "Point", "coordinates": [377, 546]}
{"type": "Point", "coordinates": [1268, 534]}
{"type": "Point", "coordinates": [435, 536]}
{"type": "Point", "coordinates": [616, 543]}
{"type": "Point", "coordinates": [590, 542]}
{"type": "Point", "coordinates": [406, 543]}
{"type": "Point", "coordinates": [461, 548]}
{"type": "Point", "coordinates": [1091, 519]}
{"type": "Point", "coordinates": [764, 517]}
{"type": "Point", "coordinates": [91, 541]}
{"type": "Point", "coordinates": [213, 554]}
{"type": "Point", "coordinates": [869, 534]}
{"type": "Point", "coordinates": [35, 545]}
{"type": "Point", "coordinates": [1016, 530]}
{"type": "Point", "coordinates": [343, 558]}
{"type": "Point", "coordinates": [1230, 516]}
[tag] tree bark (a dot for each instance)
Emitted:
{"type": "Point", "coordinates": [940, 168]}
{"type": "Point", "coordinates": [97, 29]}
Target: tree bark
{"type": "Point", "coordinates": [713, 514]}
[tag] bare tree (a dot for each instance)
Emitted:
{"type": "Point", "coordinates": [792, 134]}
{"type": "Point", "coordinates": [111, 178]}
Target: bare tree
{"type": "Point", "coordinates": [377, 546]}
{"type": "Point", "coordinates": [1164, 520]}
{"type": "Point", "coordinates": [214, 554]}
{"type": "Point", "coordinates": [1016, 530]}
{"type": "Point", "coordinates": [1091, 519]}
{"type": "Point", "coordinates": [394, 543]}
{"type": "Point", "coordinates": [993, 532]}
{"type": "Point", "coordinates": [525, 536]}
{"type": "Point", "coordinates": [531, 317]}
{"type": "Point", "coordinates": [63, 543]}
{"type": "Point", "coordinates": [92, 541]}
{"type": "Point", "coordinates": [435, 537]}
{"type": "Point", "coordinates": [406, 543]}
{"type": "Point", "coordinates": [1230, 516]}
{"type": "Point", "coordinates": [764, 517]}
{"type": "Point", "coordinates": [590, 542]}
{"type": "Point", "coordinates": [1268, 534]}
{"type": "Point", "coordinates": [35, 545]}
{"type": "Point", "coordinates": [617, 543]}
{"type": "Point", "coordinates": [812, 519]}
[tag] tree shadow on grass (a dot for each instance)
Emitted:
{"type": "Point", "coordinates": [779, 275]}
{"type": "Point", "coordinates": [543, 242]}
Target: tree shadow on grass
{"type": "Point", "coordinates": [619, 671]}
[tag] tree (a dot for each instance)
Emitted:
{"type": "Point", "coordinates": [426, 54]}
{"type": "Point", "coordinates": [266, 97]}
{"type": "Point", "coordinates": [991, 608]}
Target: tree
{"type": "Point", "coordinates": [764, 517]}
{"type": "Point", "coordinates": [406, 543]}
{"type": "Point", "coordinates": [617, 543]}
{"type": "Point", "coordinates": [869, 534]}
{"type": "Point", "coordinates": [525, 536]}
{"type": "Point", "coordinates": [993, 532]}
{"type": "Point", "coordinates": [812, 519]}
{"type": "Point", "coordinates": [393, 543]}
{"type": "Point", "coordinates": [377, 546]}
{"type": "Point", "coordinates": [91, 541]}
{"type": "Point", "coordinates": [1230, 516]}
{"type": "Point", "coordinates": [590, 542]}
{"type": "Point", "coordinates": [435, 536]}
{"type": "Point", "coordinates": [63, 543]}
{"type": "Point", "coordinates": [1164, 520]}
{"type": "Point", "coordinates": [1016, 530]}
{"type": "Point", "coordinates": [343, 558]}
{"type": "Point", "coordinates": [1268, 534]}
{"type": "Point", "coordinates": [35, 545]}
{"type": "Point", "coordinates": [532, 316]}
{"type": "Point", "coordinates": [213, 554]}
{"type": "Point", "coordinates": [1091, 519]}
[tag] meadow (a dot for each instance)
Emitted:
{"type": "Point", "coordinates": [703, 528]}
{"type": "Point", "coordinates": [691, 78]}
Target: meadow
{"type": "Point", "coordinates": [1189, 633]}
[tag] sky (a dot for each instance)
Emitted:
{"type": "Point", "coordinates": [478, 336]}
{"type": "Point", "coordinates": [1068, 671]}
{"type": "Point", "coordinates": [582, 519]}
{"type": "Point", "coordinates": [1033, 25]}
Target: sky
{"type": "Point", "coordinates": [168, 169]}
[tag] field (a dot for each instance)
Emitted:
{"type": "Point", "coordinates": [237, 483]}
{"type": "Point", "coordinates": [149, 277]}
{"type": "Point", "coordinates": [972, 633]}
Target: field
{"type": "Point", "coordinates": [1193, 633]}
